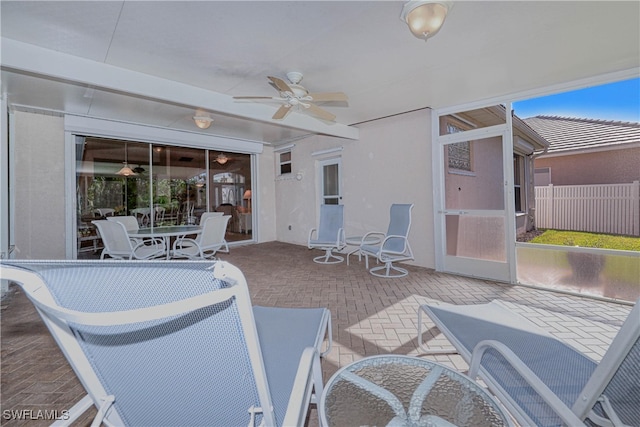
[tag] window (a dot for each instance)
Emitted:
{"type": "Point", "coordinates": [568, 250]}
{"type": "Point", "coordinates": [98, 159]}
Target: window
{"type": "Point", "coordinates": [331, 181]}
{"type": "Point", "coordinates": [518, 179]}
{"type": "Point", "coordinates": [285, 162]}
{"type": "Point", "coordinates": [460, 153]}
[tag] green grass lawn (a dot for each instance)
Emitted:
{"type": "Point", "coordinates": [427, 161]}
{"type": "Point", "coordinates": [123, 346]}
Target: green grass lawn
{"type": "Point", "coordinates": [588, 240]}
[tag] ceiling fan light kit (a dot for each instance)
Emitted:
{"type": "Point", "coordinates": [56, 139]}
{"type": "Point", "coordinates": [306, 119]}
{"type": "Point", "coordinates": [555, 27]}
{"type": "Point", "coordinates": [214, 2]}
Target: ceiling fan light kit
{"type": "Point", "coordinates": [425, 18]}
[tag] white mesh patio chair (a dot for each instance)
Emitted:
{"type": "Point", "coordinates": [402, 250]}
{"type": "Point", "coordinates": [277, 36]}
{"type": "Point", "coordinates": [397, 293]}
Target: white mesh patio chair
{"type": "Point", "coordinates": [541, 380]}
{"type": "Point", "coordinates": [206, 215]}
{"type": "Point", "coordinates": [118, 244]}
{"type": "Point", "coordinates": [130, 222]}
{"type": "Point", "coordinates": [159, 214]}
{"type": "Point", "coordinates": [207, 243]}
{"type": "Point", "coordinates": [161, 343]}
{"type": "Point", "coordinates": [329, 236]}
{"type": "Point", "coordinates": [394, 246]}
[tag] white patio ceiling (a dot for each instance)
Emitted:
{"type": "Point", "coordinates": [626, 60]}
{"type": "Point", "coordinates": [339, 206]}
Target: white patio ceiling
{"type": "Point", "coordinates": [156, 62]}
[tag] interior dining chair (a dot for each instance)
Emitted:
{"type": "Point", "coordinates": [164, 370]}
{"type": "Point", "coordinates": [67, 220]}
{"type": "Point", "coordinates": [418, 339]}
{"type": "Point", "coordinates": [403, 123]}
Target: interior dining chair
{"type": "Point", "coordinates": [205, 246]}
{"type": "Point", "coordinates": [394, 246]}
{"type": "Point", "coordinates": [118, 244]}
{"type": "Point", "coordinates": [159, 215]}
{"type": "Point", "coordinates": [329, 235]}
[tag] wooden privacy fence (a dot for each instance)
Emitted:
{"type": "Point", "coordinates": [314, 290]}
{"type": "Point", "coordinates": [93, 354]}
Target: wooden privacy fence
{"type": "Point", "coordinates": [606, 208]}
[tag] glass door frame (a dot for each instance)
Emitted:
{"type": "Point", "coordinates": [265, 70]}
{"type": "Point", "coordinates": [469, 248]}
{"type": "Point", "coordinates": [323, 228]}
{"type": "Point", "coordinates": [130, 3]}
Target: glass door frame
{"type": "Point", "coordinates": [321, 171]}
{"type": "Point", "coordinates": [466, 266]}
{"type": "Point", "coordinates": [89, 126]}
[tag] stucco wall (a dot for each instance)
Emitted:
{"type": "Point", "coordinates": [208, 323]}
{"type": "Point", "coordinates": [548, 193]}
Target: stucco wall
{"type": "Point", "coordinates": [40, 189]}
{"type": "Point", "coordinates": [604, 167]}
{"type": "Point", "coordinates": [39, 186]}
{"type": "Point", "coordinates": [390, 163]}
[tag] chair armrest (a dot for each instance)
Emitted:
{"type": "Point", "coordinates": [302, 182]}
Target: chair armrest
{"type": "Point", "coordinates": [372, 233]}
{"type": "Point", "coordinates": [340, 241]}
{"type": "Point", "coordinates": [313, 230]}
{"type": "Point", "coordinates": [308, 378]}
{"type": "Point", "coordinates": [393, 236]}
{"type": "Point", "coordinates": [184, 239]}
{"type": "Point", "coordinates": [557, 405]}
{"type": "Point", "coordinates": [155, 240]}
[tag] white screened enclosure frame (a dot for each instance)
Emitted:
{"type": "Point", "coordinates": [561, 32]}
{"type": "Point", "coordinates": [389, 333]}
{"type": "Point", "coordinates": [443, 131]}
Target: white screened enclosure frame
{"type": "Point", "coordinates": [494, 270]}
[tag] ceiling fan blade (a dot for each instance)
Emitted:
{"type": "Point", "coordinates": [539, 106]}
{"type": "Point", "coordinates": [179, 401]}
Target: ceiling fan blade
{"type": "Point", "coordinates": [320, 113]}
{"type": "Point", "coordinates": [280, 84]}
{"type": "Point", "coordinates": [282, 112]}
{"type": "Point", "coordinates": [255, 97]}
{"type": "Point", "coordinates": [328, 96]}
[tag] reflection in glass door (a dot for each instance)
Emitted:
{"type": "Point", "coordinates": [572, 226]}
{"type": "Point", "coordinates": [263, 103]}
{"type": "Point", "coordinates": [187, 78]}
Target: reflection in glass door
{"type": "Point", "coordinates": [159, 185]}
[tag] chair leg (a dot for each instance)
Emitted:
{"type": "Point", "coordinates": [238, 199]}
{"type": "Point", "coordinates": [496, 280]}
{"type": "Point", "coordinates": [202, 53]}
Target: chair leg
{"type": "Point", "coordinates": [328, 258]}
{"type": "Point", "coordinates": [388, 268]}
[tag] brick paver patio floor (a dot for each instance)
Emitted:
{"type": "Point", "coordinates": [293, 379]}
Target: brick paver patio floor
{"type": "Point", "coordinates": [370, 316]}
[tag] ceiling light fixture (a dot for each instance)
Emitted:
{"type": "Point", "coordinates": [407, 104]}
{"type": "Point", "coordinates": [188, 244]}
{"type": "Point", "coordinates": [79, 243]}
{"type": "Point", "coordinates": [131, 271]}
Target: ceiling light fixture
{"type": "Point", "coordinates": [202, 120]}
{"type": "Point", "coordinates": [222, 159]}
{"type": "Point", "coordinates": [425, 18]}
{"type": "Point", "coordinates": [126, 170]}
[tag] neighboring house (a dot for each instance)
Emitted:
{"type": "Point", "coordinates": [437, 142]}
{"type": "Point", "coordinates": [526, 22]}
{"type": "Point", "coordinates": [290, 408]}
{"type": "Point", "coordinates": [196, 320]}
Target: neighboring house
{"type": "Point", "coordinates": [586, 151]}
{"type": "Point", "coordinates": [588, 178]}
{"type": "Point", "coordinates": [474, 171]}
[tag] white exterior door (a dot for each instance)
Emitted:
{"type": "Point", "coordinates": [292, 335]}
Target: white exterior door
{"type": "Point", "coordinates": [475, 223]}
{"type": "Point", "coordinates": [330, 176]}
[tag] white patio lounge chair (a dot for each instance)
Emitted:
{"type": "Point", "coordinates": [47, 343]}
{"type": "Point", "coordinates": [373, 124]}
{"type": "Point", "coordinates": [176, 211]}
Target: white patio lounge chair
{"type": "Point", "coordinates": [118, 244]}
{"type": "Point", "coordinates": [207, 243]}
{"type": "Point", "coordinates": [329, 235]}
{"type": "Point", "coordinates": [163, 343]}
{"type": "Point", "coordinates": [394, 246]}
{"type": "Point", "coordinates": [541, 380]}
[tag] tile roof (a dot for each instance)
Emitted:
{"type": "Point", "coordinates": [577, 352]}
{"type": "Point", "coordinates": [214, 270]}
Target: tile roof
{"type": "Point", "coordinates": [572, 134]}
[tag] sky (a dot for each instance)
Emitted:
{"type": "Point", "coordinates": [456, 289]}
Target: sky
{"type": "Point", "coordinates": [614, 101]}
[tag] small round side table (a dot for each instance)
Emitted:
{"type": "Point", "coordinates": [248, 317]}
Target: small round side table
{"type": "Point", "coordinates": [392, 390]}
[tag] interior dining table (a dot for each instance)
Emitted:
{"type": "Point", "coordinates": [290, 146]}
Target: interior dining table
{"type": "Point", "coordinates": [166, 233]}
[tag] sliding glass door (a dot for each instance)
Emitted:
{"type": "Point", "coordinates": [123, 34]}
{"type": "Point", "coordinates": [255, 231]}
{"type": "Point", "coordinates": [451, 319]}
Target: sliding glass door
{"type": "Point", "coordinates": [159, 185]}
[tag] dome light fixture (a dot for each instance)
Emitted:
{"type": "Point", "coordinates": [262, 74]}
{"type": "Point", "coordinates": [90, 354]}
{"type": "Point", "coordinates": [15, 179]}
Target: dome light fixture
{"type": "Point", "coordinates": [222, 159]}
{"type": "Point", "coordinates": [202, 120]}
{"type": "Point", "coordinates": [425, 18]}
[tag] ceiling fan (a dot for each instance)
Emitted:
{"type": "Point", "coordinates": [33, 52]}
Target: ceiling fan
{"type": "Point", "coordinates": [295, 95]}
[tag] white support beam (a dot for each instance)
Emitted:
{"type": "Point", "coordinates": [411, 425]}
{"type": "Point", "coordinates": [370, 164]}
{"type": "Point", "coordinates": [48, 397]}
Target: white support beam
{"type": "Point", "coordinates": [23, 57]}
